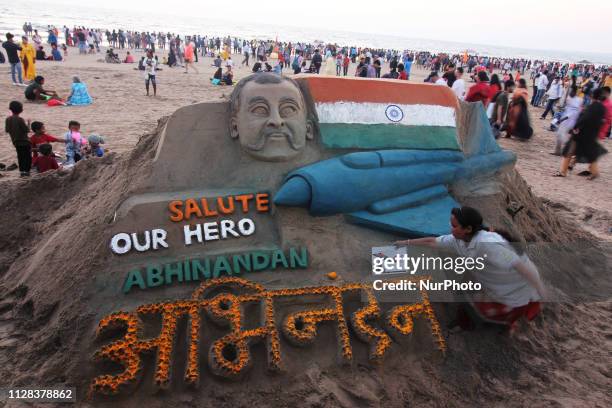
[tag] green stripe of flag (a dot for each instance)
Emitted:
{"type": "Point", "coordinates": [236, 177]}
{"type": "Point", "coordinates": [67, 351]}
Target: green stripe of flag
{"type": "Point", "coordinates": [381, 136]}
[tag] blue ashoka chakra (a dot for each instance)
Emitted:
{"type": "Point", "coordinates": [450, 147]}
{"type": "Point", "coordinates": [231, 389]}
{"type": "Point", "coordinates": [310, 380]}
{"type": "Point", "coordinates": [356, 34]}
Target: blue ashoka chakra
{"type": "Point", "coordinates": [394, 113]}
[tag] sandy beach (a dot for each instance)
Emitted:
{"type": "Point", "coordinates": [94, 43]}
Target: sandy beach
{"type": "Point", "coordinates": [58, 278]}
{"type": "Point", "coordinates": [121, 112]}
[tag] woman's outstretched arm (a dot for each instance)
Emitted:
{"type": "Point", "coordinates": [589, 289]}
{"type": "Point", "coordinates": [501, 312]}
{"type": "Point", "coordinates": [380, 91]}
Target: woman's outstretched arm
{"type": "Point", "coordinates": [427, 241]}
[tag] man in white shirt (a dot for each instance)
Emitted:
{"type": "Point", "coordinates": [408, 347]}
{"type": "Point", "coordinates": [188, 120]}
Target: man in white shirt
{"type": "Point", "coordinates": [554, 94]}
{"type": "Point", "coordinates": [541, 83]}
{"type": "Point", "coordinates": [459, 84]}
{"type": "Point", "coordinates": [246, 51]}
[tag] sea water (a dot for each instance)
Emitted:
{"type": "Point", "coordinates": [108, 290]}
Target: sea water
{"type": "Point", "coordinates": [13, 14]}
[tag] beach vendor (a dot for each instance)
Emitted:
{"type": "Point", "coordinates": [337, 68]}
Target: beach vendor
{"type": "Point", "coordinates": [36, 93]}
{"type": "Point", "coordinates": [511, 285]}
{"type": "Point", "coordinates": [78, 94]}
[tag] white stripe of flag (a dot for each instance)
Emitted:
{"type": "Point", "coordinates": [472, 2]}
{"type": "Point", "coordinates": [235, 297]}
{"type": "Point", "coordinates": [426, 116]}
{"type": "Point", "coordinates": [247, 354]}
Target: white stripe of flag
{"type": "Point", "coordinates": [374, 113]}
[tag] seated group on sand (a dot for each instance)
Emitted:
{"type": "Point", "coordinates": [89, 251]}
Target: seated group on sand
{"type": "Point", "coordinates": [35, 150]}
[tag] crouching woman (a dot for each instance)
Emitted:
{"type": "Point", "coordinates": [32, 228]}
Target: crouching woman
{"type": "Point", "coordinates": [511, 284]}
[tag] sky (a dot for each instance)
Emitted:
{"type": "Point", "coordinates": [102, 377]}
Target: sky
{"type": "Point", "coordinates": [536, 24]}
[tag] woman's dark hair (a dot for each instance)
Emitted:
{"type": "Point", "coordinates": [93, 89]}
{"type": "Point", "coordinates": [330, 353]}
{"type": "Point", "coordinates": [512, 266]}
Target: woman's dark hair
{"type": "Point", "coordinates": [39, 79]}
{"type": "Point", "coordinates": [495, 80]}
{"type": "Point", "coordinates": [522, 83]}
{"type": "Point", "coordinates": [470, 217]}
{"type": "Point", "coordinates": [573, 91]}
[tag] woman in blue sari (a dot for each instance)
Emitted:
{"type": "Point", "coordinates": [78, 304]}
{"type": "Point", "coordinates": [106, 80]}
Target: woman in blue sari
{"type": "Point", "coordinates": [78, 94]}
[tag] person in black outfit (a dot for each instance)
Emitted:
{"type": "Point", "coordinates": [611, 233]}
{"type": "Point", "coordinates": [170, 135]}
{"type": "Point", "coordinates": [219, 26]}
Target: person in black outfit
{"type": "Point", "coordinates": [18, 129]}
{"type": "Point", "coordinates": [317, 60]}
{"type": "Point", "coordinates": [583, 143]}
{"type": "Point", "coordinates": [12, 52]}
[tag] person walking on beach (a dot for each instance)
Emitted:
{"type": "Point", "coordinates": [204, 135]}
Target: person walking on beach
{"type": "Point", "coordinates": [150, 65]}
{"type": "Point", "coordinates": [583, 143]}
{"type": "Point", "coordinates": [554, 94]}
{"type": "Point", "coordinates": [246, 52]}
{"type": "Point", "coordinates": [567, 121]}
{"type": "Point", "coordinates": [13, 58]}
{"type": "Point", "coordinates": [542, 84]}
{"type": "Point", "coordinates": [189, 53]}
{"type": "Point", "coordinates": [28, 59]}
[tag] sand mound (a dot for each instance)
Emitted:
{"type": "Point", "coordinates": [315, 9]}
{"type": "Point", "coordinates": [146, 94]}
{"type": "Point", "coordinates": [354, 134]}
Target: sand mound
{"type": "Point", "coordinates": [52, 281]}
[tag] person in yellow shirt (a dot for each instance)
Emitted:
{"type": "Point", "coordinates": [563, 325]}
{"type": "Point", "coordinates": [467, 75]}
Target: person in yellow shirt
{"type": "Point", "coordinates": [225, 53]}
{"type": "Point", "coordinates": [28, 59]}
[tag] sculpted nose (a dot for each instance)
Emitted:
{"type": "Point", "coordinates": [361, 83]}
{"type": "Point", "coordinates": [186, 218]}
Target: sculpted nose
{"type": "Point", "coordinates": [275, 119]}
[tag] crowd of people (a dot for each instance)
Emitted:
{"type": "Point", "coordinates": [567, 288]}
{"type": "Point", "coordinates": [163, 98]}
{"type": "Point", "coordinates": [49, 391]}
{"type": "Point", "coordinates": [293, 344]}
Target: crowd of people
{"type": "Point", "coordinates": [581, 111]}
{"type": "Point", "coordinates": [568, 92]}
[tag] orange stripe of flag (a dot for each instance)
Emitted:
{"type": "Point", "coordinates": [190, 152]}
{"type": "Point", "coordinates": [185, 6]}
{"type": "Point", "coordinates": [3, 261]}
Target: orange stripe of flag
{"type": "Point", "coordinates": [333, 89]}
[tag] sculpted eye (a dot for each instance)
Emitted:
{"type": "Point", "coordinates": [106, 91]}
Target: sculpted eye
{"type": "Point", "coordinates": [288, 110]}
{"type": "Point", "coordinates": [259, 110]}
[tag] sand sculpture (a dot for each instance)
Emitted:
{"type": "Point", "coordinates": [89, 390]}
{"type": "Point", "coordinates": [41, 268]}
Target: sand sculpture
{"type": "Point", "coordinates": [225, 174]}
{"type": "Point", "coordinates": [254, 187]}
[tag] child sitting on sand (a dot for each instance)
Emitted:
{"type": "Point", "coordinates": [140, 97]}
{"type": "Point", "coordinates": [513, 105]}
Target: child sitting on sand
{"type": "Point", "coordinates": [35, 92]}
{"type": "Point", "coordinates": [46, 161]}
{"type": "Point", "coordinates": [40, 137]}
{"type": "Point", "coordinates": [93, 148]}
{"type": "Point", "coordinates": [74, 142]}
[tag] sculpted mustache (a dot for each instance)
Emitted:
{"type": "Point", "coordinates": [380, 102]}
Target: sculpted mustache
{"type": "Point", "coordinates": [263, 136]}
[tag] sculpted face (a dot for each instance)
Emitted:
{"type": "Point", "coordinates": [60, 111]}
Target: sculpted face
{"type": "Point", "coordinates": [271, 122]}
